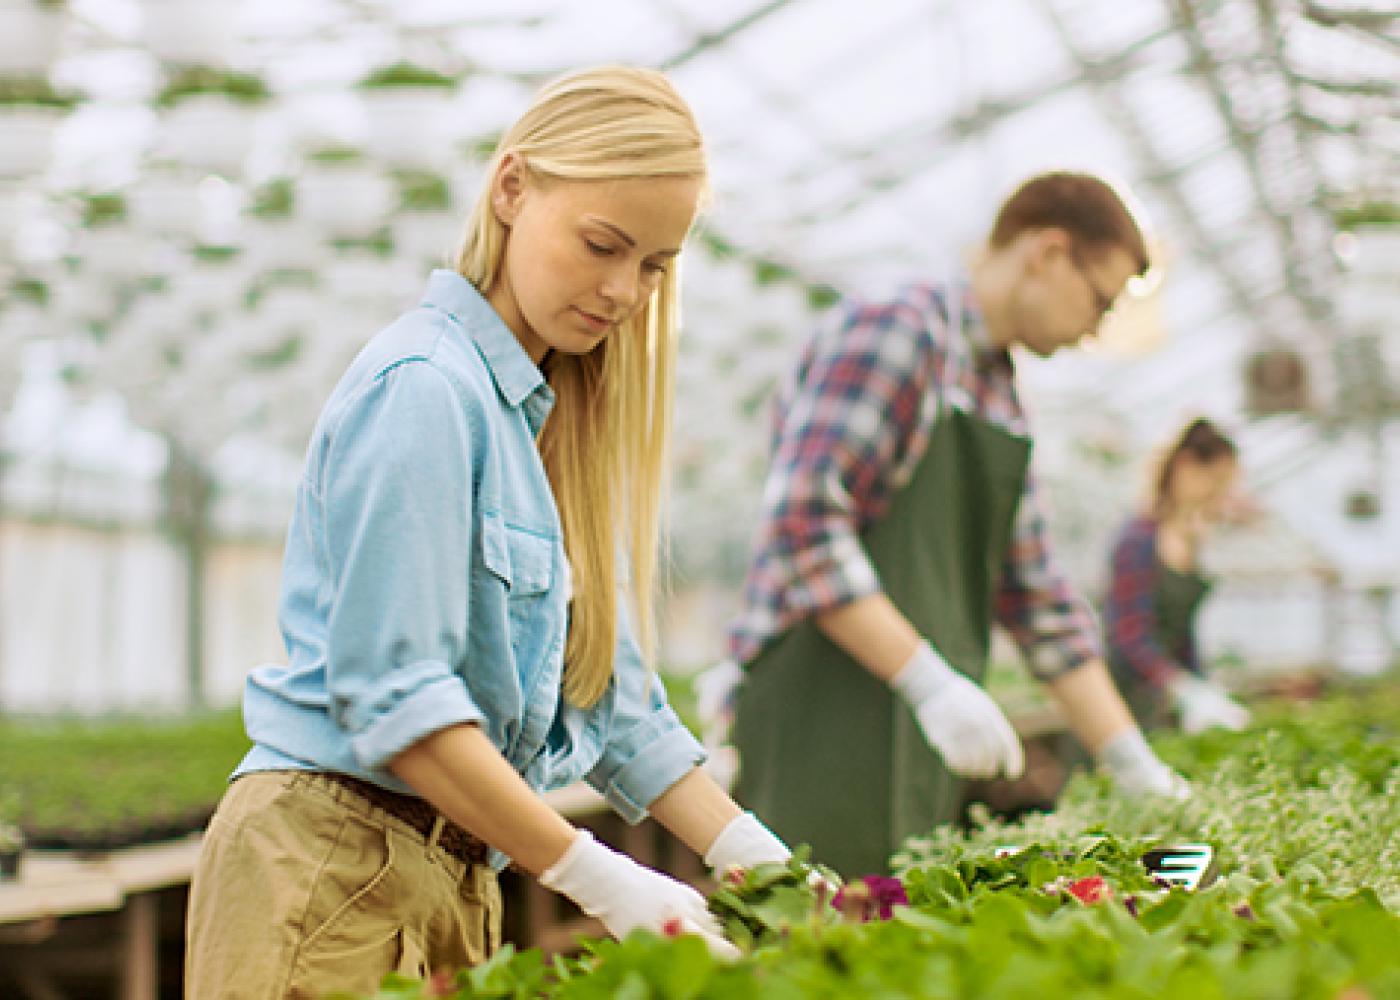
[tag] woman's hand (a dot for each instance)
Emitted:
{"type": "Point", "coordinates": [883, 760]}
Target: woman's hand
{"type": "Point", "coordinates": [625, 895]}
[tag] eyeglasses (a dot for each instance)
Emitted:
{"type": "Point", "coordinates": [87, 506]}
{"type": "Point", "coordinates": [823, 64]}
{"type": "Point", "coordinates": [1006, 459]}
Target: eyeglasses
{"type": "Point", "coordinates": [1102, 303]}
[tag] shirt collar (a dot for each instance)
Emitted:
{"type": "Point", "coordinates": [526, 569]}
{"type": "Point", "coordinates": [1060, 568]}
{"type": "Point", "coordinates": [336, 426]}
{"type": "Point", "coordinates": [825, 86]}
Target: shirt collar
{"type": "Point", "coordinates": [517, 378]}
{"type": "Point", "coordinates": [986, 356]}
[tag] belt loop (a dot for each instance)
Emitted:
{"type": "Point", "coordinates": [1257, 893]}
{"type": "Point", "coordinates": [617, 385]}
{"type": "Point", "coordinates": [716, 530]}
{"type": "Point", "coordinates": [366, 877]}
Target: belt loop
{"type": "Point", "coordinates": [439, 822]}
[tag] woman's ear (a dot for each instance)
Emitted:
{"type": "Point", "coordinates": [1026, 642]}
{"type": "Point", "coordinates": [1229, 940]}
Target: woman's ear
{"type": "Point", "coordinates": [508, 189]}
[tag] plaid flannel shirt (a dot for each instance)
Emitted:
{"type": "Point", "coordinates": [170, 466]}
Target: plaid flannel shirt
{"type": "Point", "coordinates": [850, 427]}
{"type": "Point", "coordinates": [1130, 612]}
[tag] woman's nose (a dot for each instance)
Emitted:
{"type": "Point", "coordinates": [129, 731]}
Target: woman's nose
{"type": "Point", "coordinates": [621, 287]}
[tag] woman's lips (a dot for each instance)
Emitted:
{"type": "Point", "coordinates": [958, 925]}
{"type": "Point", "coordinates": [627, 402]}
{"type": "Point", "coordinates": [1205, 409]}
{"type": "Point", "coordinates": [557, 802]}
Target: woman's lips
{"type": "Point", "coordinates": [598, 324]}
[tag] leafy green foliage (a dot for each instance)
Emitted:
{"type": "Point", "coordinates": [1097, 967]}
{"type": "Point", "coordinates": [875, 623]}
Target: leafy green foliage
{"type": "Point", "coordinates": [1311, 789]}
{"type": "Point", "coordinates": [33, 91]}
{"type": "Point", "coordinates": [422, 191]}
{"type": "Point", "coordinates": [242, 88]}
{"type": "Point", "coordinates": [1301, 808]}
{"type": "Point", "coordinates": [84, 783]}
{"type": "Point", "coordinates": [335, 155]}
{"type": "Point", "coordinates": [764, 903]}
{"type": "Point", "coordinates": [103, 209]}
{"type": "Point", "coordinates": [1370, 213]}
{"type": "Point", "coordinates": [274, 199]}
{"type": "Point", "coordinates": [404, 74]}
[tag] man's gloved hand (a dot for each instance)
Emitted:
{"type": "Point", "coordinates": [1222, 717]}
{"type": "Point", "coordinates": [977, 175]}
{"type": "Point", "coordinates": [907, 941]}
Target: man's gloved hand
{"type": "Point", "coordinates": [958, 718]}
{"type": "Point", "coordinates": [625, 895]}
{"type": "Point", "coordinates": [743, 843]}
{"type": "Point", "coordinates": [1203, 704]}
{"type": "Point", "coordinates": [1137, 770]}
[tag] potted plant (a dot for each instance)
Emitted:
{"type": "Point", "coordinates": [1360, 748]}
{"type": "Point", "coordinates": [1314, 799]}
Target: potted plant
{"type": "Point", "coordinates": [213, 283]}
{"type": "Point", "coordinates": [105, 244]}
{"type": "Point", "coordinates": [187, 32]}
{"type": "Point", "coordinates": [30, 110]}
{"type": "Point", "coordinates": [342, 194]}
{"type": "Point", "coordinates": [424, 226]}
{"type": "Point", "coordinates": [407, 105]}
{"type": "Point", "coordinates": [166, 201]}
{"type": "Point", "coordinates": [276, 237]}
{"type": "Point", "coordinates": [210, 114]}
{"type": "Point", "coordinates": [1371, 231]}
{"type": "Point", "coordinates": [30, 31]}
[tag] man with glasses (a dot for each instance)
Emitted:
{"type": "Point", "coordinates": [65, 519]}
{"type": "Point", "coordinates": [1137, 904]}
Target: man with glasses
{"type": "Point", "coordinates": [900, 521]}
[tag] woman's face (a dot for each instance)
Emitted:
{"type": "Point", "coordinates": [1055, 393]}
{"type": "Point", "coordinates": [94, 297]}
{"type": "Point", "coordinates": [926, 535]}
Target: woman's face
{"type": "Point", "coordinates": [582, 257]}
{"type": "Point", "coordinates": [1202, 487]}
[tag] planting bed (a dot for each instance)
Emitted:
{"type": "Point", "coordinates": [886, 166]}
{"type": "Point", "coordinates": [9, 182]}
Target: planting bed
{"type": "Point", "coordinates": [1301, 809]}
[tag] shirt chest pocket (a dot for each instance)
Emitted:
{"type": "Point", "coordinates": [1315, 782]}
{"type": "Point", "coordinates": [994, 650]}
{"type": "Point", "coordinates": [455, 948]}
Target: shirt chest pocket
{"type": "Point", "coordinates": [523, 561]}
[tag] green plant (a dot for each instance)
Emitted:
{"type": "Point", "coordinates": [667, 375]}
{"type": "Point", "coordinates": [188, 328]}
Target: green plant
{"type": "Point", "coordinates": [103, 209]}
{"type": "Point", "coordinates": [764, 903]}
{"type": "Point", "coordinates": [406, 74]}
{"type": "Point", "coordinates": [420, 191]}
{"type": "Point", "coordinates": [79, 782]}
{"type": "Point", "coordinates": [273, 199]}
{"type": "Point", "coordinates": [380, 242]}
{"type": "Point", "coordinates": [279, 278]}
{"type": "Point", "coordinates": [215, 254]}
{"type": "Point", "coordinates": [33, 91]}
{"type": "Point", "coordinates": [242, 88]}
{"type": "Point", "coordinates": [334, 155]}
{"type": "Point", "coordinates": [30, 290]}
{"type": "Point", "coordinates": [482, 147]}
{"type": "Point", "coordinates": [1367, 213]}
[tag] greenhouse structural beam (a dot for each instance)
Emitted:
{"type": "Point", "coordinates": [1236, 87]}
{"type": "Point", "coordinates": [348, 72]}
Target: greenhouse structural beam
{"type": "Point", "coordinates": [1301, 287]}
{"type": "Point", "coordinates": [1162, 175]}
{"type": "Point", "coordinates": [924, 146]}
{"type": "Point", "coordinates": [709, 40]}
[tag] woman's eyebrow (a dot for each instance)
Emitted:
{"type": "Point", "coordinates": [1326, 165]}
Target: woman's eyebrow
{"type": "Point", "coordinates": [624, 236]}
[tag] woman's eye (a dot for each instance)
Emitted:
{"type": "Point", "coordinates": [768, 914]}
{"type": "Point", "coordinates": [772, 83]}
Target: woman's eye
{"type": "Point", "coordinates": [654, 268]}
{"type": "Point", "coordinates": [598, 248]}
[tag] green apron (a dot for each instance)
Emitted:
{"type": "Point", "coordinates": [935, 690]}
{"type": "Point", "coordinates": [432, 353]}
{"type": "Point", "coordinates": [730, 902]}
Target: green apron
{"type": "Point", "coordinates": [828, 755]}
{"type": "Point", "coordinates": [1175, 599]}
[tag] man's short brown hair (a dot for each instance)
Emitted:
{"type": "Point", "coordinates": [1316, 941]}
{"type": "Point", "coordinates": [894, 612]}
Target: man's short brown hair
{"type": "Point", "coordinates": [1081, 204]}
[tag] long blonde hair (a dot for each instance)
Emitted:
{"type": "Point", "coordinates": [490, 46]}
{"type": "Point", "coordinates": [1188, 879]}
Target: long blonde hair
{"type": "Point", "coordinates": [605, 444]}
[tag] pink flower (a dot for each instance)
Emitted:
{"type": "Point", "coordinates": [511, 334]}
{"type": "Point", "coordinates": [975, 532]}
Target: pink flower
{"type": "Point", "coordinates": [440, 984]}
{"type": "Point", "coordinates": [873, 896]}
{"type": "Point", "coordinates": [1090, 890]}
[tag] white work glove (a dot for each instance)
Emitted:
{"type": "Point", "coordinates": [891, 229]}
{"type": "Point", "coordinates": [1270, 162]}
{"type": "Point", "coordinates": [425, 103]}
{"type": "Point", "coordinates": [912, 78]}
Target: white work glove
{"type": "Point", "coordinates": [625, 895]}
{"type": "Point", "coordinates": [1203, 704]}
{"type": "Point", "coordinates": [1136, 770]}
{"type": "Point", "coordinates": [743, 843]}
{"type": "Point", "coordinates": [958, 718]}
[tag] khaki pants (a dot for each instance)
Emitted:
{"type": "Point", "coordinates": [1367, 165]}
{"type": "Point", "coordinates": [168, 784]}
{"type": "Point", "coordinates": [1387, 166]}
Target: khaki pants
{"type": "Point", "coordinates": [304, 888]}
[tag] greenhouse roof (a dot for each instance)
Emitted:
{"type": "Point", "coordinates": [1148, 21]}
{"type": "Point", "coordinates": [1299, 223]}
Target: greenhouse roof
{"type": "Point", "coordinates": [853, 145]}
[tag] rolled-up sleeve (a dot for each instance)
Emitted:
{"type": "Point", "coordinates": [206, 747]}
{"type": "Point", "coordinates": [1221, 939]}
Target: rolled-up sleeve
{"type": "Point", "coordinates": [648, 749]}
{"type": "Point", "coordinates": [850, 423]}
{"type": "Point", "coordinates": [1036, 603]}
{"type": "Point", "coordinates": [395, 489]}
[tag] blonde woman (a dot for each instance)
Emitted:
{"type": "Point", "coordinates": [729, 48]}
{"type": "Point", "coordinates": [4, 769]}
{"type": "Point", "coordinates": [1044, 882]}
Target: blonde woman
{"type": "Point", "coordinates": [460, 637]}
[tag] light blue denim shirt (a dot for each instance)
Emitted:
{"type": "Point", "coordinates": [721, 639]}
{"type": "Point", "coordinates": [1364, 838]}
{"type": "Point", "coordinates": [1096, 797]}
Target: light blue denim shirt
{"type": "Point", "coordinates": [425, 583]}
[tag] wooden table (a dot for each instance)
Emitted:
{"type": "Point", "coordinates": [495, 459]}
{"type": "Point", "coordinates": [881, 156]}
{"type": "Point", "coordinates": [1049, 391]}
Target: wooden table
{"type": "Point", "coordinates": [57, 884]}
{"type": "Point", "coordinates": [54, 885]}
